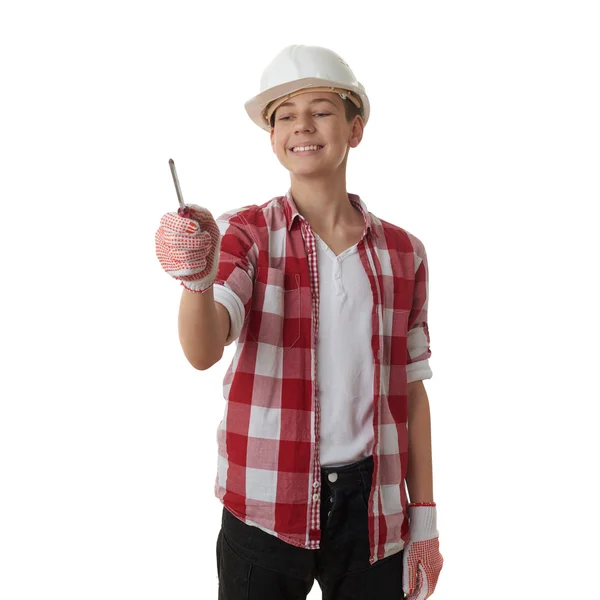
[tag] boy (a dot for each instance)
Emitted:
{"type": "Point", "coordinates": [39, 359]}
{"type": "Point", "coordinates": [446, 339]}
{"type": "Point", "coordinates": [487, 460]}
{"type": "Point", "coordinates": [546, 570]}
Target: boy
{"type": "Point", "coordinates": [326, 415]}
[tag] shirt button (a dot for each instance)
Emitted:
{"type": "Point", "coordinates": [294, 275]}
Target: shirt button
{"type": "Point", "coordinates": [316, 497]}
{"type": "Point", "coordinates": [333, 477]}
{"type": "Point", "coordinates": [316, 484]}
{"type": "Point", "coordinates": [337, 275]}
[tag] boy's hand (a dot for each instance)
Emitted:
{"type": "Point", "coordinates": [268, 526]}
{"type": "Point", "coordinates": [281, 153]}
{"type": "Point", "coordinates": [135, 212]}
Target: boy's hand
{"type": "Point", "coordinates": [422, 561]}
{"type": "Point", "coordinates": [188, 248]}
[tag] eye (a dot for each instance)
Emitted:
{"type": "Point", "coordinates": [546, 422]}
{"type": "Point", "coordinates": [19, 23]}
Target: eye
{"type": "Point", "coordinates": [316, 115]}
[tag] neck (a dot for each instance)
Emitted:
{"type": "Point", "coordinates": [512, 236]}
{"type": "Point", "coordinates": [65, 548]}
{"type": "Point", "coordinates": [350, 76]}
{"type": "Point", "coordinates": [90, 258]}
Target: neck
{"type": "Point", "coordinates": [324, 203]}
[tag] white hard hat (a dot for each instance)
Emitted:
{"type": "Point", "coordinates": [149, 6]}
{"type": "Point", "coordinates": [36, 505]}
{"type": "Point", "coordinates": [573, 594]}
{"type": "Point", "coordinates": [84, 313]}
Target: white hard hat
{"type": "Point", "coordinates": [298, 69]}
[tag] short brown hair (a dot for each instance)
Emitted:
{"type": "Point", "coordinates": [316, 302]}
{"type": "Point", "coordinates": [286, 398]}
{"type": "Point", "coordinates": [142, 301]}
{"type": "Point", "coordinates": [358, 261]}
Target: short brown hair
{"type": "Point", "coordinates": [350, 109]}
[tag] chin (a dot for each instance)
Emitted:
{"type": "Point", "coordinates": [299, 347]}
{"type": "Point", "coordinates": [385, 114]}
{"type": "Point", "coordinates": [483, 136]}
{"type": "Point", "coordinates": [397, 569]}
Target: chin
{"type": "Point", "coordinates": [309, 173]}
{"type": "Point", "coordinates": [296, 169]}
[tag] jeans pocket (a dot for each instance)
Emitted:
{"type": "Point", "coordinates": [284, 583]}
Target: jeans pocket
{"type": "Point", "coordinates": [365, 492]}
{"type": "Point", "coordinates": [233, 571]}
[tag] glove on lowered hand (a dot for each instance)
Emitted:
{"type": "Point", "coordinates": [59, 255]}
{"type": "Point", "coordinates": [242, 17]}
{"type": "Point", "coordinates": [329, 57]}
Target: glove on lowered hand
{"type": "Point", "coordinates": [422, 561]}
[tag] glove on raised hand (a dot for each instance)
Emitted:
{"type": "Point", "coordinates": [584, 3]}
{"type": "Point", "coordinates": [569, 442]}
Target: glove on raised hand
{"type": "Point", "coordinates": [422, 561]}
{"type": "Point", "coordinates": [188, 248]}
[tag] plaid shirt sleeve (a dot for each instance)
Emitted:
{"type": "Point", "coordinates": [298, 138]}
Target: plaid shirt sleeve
{"type": "Point", "coordinates": [234, 283]}
{"type": "Point", "coordinates": [419, 351]}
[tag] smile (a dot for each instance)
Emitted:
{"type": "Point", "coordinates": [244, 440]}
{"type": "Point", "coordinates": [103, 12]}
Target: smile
{"type": "Point", "coordinates": [306, 149]}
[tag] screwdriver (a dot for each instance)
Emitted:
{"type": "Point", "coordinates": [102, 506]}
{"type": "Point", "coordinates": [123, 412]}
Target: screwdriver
{"type": "Point", "coordinates": [183, 210]}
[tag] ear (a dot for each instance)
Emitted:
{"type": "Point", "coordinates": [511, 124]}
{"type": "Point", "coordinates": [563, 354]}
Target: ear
{"type": "Point", "coordinates": [356, 133]}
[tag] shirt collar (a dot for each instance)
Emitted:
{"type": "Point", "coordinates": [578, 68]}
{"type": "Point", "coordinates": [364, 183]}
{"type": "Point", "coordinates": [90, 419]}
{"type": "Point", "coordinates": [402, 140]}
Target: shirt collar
{"type": "Point", "coordinates": [291, 211]}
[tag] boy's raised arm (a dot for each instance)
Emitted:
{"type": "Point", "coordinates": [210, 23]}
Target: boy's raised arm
{"type": "Point", "coordinates": [203, 328]}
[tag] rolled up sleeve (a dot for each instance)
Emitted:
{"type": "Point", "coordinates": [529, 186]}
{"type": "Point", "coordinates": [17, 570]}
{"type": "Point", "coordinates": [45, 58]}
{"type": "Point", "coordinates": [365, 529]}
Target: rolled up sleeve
{"type": "Point", "coordinates": [418, 342]}
{"type": "Point", "coordinates": [234, 283]}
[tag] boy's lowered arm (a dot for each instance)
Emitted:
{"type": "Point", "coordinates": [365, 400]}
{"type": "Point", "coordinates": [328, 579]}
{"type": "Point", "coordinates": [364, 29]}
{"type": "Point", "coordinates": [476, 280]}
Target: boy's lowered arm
{"type": "Point", "coordinates": [419, 476]}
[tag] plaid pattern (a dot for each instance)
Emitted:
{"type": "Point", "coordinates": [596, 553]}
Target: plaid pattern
{"type": "Point", "coordinates": [268, 441]}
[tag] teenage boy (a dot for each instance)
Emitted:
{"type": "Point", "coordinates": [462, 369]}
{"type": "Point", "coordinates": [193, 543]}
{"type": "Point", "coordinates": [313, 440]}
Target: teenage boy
{"type": "Point", "coordinates": [326, 416]}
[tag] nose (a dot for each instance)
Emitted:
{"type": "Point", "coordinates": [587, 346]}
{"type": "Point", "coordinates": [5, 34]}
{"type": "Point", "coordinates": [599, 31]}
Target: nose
{"type": "Point", "coordinates": [304, 123]}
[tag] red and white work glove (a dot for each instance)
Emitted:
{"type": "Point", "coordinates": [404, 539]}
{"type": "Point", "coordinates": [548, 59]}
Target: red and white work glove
{"type": "Point", "coordinates": [188, 248]}
{"type": "Point", "coordinates": [422, 561]}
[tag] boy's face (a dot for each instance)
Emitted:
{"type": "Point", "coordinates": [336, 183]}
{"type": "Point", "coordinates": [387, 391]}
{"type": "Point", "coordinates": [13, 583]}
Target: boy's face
{"type": "Point", "coordinates": [314, 118]}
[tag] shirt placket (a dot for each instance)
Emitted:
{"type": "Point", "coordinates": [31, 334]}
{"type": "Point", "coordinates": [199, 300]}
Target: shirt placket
{"type": "Point", "coordinates": [311, 251]}
{"type": "Point", "coordinates": [376, 345]}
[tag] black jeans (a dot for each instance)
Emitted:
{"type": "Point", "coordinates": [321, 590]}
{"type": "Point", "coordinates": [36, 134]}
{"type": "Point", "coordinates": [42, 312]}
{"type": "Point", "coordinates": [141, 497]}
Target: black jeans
{"type": "Point", "coordinates": [254, 565]}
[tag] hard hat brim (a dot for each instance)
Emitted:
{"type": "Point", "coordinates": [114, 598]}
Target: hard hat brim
{"type": "Point", "coordinates": [256, 106]}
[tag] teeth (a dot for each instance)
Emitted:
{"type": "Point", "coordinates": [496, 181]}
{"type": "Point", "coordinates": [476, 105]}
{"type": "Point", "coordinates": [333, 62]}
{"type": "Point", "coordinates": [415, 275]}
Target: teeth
{"type": "Point", "coordinates": [305, 148]}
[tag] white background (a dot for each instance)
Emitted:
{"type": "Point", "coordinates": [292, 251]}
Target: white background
{"type": "Point", "coordinates": [483, 142]}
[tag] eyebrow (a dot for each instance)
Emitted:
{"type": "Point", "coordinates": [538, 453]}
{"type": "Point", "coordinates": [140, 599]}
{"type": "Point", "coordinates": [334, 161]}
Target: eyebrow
{"type": "Point", "coordinates": [290, 103]}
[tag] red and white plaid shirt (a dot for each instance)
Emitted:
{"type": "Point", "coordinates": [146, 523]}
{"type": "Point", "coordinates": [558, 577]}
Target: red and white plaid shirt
{"type": "Point", "coordinates": [269, 474]}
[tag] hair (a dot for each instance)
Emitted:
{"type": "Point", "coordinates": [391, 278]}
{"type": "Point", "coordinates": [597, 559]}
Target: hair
{"type": "Point", "coordinates": [350, 109]}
